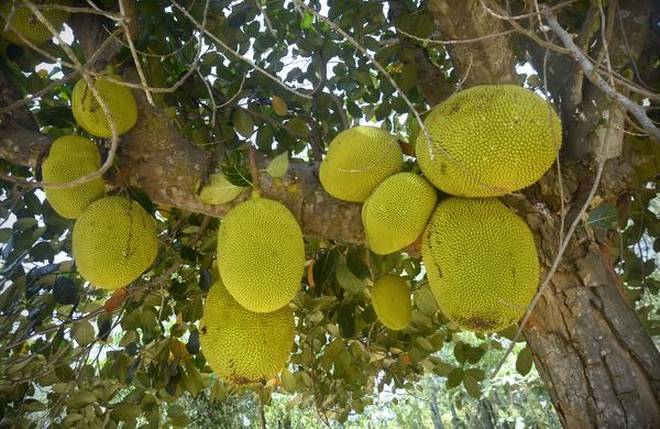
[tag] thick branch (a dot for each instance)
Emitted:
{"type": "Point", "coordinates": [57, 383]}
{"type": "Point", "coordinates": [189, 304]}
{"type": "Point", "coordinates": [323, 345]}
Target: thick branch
{"type": "Point", "coordinates": [167, 167]}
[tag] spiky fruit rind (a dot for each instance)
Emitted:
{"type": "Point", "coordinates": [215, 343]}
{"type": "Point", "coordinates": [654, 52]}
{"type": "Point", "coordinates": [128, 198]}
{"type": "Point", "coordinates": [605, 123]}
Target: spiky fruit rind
{"type": "Point", "coordinates": [70, 158]}
{"type": "Point", "coordinates": [358, 160]}
{"type": "Point", "coordinates": [75, 145]}
{"type": "Point", "coordinates": [89, 114]}
{"type": "Point", "coordinates": [390, 296]}
{"type": "Point", "coordinates": [489, 140]}
{"type": "Point", "coordinates": [114, 242]}
{"type": "Point", "coordinates": [243, 346]}
{"type": "Point", "coordinates": [261, 254]}
{"type": "Point", "coordinates": [481, 263]}
{"type": "Point", "coordinates": [23, 21]}
{"type": "Point", "coordinates": [396, 213]}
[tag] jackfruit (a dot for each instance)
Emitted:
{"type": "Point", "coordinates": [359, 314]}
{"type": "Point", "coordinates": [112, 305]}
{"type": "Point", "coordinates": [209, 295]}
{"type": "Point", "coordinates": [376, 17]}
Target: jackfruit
{"type": "Point", "coordinates": [489, 140]}
{"type": "Point", "coordinates": [240, 345]}
{"type": "Point", "coordinates": [481, 263]}
{"type": "Point", "coordinates": [71, 157]}
{"type": "Point", "coordinates": [358, 160]}
{"type": "Point", "coordinates": [261, 254]}
{"type": "Point", "coordinates": [396, 213]}
{"type": "Point", "coordinates": [114, 242]}
{"type": "Point", "coordinates": [390, 296]}
{"type": "Point", "coordinates": [89, 114]}
{"type": "Point", "coordinates": [23, 21]}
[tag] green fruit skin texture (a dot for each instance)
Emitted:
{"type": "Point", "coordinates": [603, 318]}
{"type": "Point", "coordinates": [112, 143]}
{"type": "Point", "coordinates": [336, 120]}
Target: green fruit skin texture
{"type": "Point", "coordinates": [390, 296]}
{"type": "Point", "coordinates": [89, 114]}
{"type": "Point", "coordinates": [481, 263]}
{"type": "Point", "coordinates": [27, 24]}
{"type": "Point", "coordinates": [242, 346]}
{"type": "Point", "coordinates": [489, 140]}
{"type": "Point", "coordinates": [261, 254]}
{"type": "Point", "coordinates": [114, 242]}
{"type": "Point", "coordinates": [358, 160]}
{"type": "Point", "coordinates": [71, 157]}
{"type": "Point", "coordinates": [395, 214]}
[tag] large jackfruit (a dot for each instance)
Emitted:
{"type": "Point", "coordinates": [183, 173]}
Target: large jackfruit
{"type": "Point", "coordinates": [114, 242]}
{"type": "Point", "coordinates": [481, 263]}
{"type": "Point", "coordinates": [243, 346]}
{"type": "Point", "coordinates": [396, 213]}
{"type": "Point", "coordinates": [90, 115]}
{"type": "Point", "coordinates": [240, 345]}
{"type": "Point", "coordinates": [261, 254]}
{"type": "Point", "coordinates": [71, 157]}
{"type": "Point", "coordinates": [390, 296]}
{"type": "Point", "coordinates": [358, 159]}
{"type": "Point", "coordinates": [489, 140]}
{"type": "Point", "coordinates": [23, 21]}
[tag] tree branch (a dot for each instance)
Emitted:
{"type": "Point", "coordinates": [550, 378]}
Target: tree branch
{"type": "Point", "coordinates": [155, 157]}
{"type": "Point", "coordinates": [590, 73]}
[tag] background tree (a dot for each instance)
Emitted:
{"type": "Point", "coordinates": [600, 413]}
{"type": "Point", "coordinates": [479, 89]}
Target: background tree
{"type": "Point", "coordinates": [213, 78]}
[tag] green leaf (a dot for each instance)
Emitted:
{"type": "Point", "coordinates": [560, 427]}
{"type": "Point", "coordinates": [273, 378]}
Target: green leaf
{"type": "Point", "coordinates": [460, 352]}
{"type": "Point", "coordinates": [65, 291]}
{"type": "Point", "coordinates": [124, 412]}
{"type": "Point", "coordinates": [243, 122]}
{"type": "Point", "coordinates": [471, 385]}
{"type": "Point", "coordinates": [219, 190]}
{"type": "Point", "coordinates": [288, 380]}
{"type": "Point", "coordinates": [425, 301]}
{"type": "Point", "coordinates": [279, 106]}
{"type": "Point", "coordinates": [306, 21]}
{"type": "Point", "coordinates": [524, 361]}
{"type": "Point", "coordinates": [346, 279]}
{"type": "Point", "coordinates": [80, 399]}
{"type": "Point", "coordinates": [83, 333]}
{"type": "Point", "coordinates": [604, 216]}
{"type": "Point", "coordinates": [278, 165]}
{"type": "Point", "coordinates": [454, 378]}
{"type": "Point", "coordinates": [425, 344]}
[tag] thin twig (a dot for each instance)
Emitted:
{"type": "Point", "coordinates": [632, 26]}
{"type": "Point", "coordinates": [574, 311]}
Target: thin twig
{"type": "Point", "coordinates": [128, 23]}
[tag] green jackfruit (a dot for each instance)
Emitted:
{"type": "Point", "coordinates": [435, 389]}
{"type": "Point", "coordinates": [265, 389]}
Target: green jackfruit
{"type": "Point", "coordinates": [390, 296]}
{"type": "Point", "coordinates": [71, 157]}
{"type": "Point", "coordinates": [489, 140]}
{"type": "Point", "coordinates": [90, 115]}
{"type": "Point", "coordinates": [481, 263]}
{"type": "Point", "coordinates": [114, 242]}
{"type": "Point", "coordinates": [23, 21]}
{"type": "Point", "coordinates": [358, 159]}
{"type": "Point", "coordinates": [261, 254]}
{"type": "Point", "coordinates": [242, 346]}
{"type": "Point", "coordinates": [396, 213]}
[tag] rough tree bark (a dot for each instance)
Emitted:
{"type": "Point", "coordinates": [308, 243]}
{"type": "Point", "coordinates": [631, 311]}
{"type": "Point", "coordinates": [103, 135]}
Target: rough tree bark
{"type": "Point", "coordinates": [600, 366]}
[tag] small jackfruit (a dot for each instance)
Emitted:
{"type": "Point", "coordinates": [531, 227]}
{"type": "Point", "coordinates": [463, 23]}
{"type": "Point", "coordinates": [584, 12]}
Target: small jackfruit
{"type": "Point", "coordinates": [358, 160]}
{"type": "Point", "coordinates": [261, 254]}
{"type": "Point", "coordinates": [481, 263]}
{"type": "Point", "coordinates": [114, 242]}
{"type": "Point", "coordinates": [396, 213]}
{"type": "Point", "coordinates": [23, 21]}
{"type": "Point", "coordinates": [240, 345]}
{"type": "Point", "coordinates": [390, 296]}
{"type": "Point", "coordinates": [489, 140]}
{"type": "Point", "coordinates": [89, 114]}
{"type": "Point", "coordinates": [71, 157]}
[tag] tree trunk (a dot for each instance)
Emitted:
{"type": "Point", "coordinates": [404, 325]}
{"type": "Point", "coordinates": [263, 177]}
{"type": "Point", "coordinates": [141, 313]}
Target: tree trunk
{"type": "Point", "coordinates": [600, 366]}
